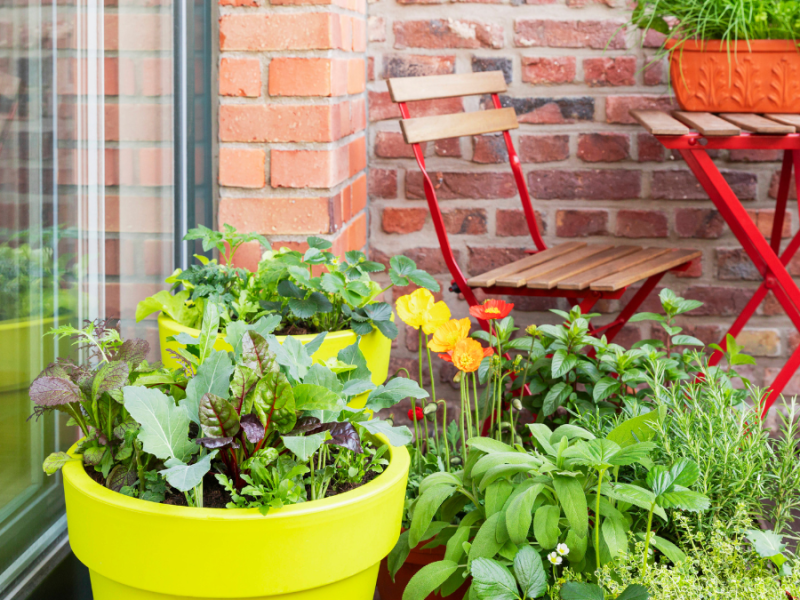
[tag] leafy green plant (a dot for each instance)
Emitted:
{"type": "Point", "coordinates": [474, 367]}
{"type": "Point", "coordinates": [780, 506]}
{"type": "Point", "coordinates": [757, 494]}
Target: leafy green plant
{"type": "Point", "coordinates": [92, 396]}
{"type": "Point", "coordinates": [275, 426]}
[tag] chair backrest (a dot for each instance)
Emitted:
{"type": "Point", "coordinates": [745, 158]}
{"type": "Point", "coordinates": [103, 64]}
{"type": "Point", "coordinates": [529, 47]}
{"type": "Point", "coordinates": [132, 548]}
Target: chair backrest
{"type": "Point", "coordinates": [428, 129]}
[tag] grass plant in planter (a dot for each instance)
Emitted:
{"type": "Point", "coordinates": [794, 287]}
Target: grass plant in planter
{"type": "Point", "coordinates": [729, 55]}
{"type": "Point", "coordinates": [312, 490]}
{"type": "Point", "coordinates": [295, 294]}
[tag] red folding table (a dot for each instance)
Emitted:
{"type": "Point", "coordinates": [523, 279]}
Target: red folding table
{"type": "Point", "coordinates": [743, 132]}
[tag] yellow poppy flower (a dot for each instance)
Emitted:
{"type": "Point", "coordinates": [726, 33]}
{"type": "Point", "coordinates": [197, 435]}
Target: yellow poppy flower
{"type": "Point", "coordinates": [446, 336]}
{"type": "Point", "coordinates": [419, 309]}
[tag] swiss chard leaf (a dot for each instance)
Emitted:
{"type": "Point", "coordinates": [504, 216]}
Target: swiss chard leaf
{"type": "Point", "coordinates": [274, 402]}
{"type": "Point", "coordinates": [218, 417]}
{"type": "Point", "coordinates": [212, 378]}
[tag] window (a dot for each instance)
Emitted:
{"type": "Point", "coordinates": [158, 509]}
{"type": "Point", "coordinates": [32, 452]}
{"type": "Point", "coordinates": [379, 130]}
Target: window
{"type": "Point", "coordinates": [105, 161]}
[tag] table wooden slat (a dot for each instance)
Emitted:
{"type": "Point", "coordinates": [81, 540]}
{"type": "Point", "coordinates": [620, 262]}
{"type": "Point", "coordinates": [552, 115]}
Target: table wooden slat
{"type": "Point", "coordinates": [793, 120]}
{"type": "Point", "coordinates": [757, 123]}
{"type": "Point", "coordinates": [519, 279]}
{"type": "Point", "coordinates": [657, 122]}
{"type": "Point", "coordinates": [642, 271]}
{"type": "Point", "coordinates": [583, 280]}
{"type": "Point", "coordinates": [706, 123]}
{"type": "Point", "coordinates": [551, 280]}
{"type": "Point", "coordinates": [489, 278]}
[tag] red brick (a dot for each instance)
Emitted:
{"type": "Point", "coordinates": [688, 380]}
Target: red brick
{"type": "Point", "coordinates": [512, 223]}
{"type": "Point", "coordinates": [489, 149]}
{"type": "Point", "coordinates": [642, 224]}
{"type": "Point", "coordinates": [358, 155]}
{"type": "Point", "coordinates": [581, 223]}
{"type": "Point", "coordinates": [371, 68]}
{"type": "Point", "coordinates": [540, 69]}
{"type": "Point", "coordinates": [543, 148]}
{"type": "Point", "coordinates": [241, 168]}
{"type": "Point", "coordinates": [448, 147]}
{"type": "Point", "coordinates": [358, 195]}
{"type": "Point", "coordinates": [447, 33]}
{"type": "Point", "coordinates": [483, 259]}
{"type": "Point", "coordinates": [417, 65]}
{"type": "Point", "coordinates": [450, 186]}
{"type": "Point", "coordinates": [280, 31]}
{"type": "Point", "coordinates": [155, 166]}
{"type": "Point", "coordinates": [281, 122]}
{"type": "Point", "coordinates": [309, 168]}
{"type": "Point", "coordinates": [551, 110]}
{"type": "Point", "coordinates": [359, 35]}
{"type": "Point", "coordinates": [238, 2]}
{"type": "Point", "coordinates": [403, 220]}
{"type": "Point", "coordinates": [382, 183]}
{"type": "Point", "coordinates": [481, 64]}
{"type": "Point", "coordinates": [381, 107]}
{"type": "Point", "coordinates": [617, 184]}
{"type": "Point", "coordinates": [291, 76]}
{"type": "Point", "coordinates": [701, 223]}
{"type": "Point", "coordinates": [604, 147]}
{"type": "Point", "coordinates": [427, 259]}
{"type": "Point", "coordinates": [390, 144]}
{"type": "Point", "coordinates": [654, 73]}
{"type": "Point", "coordinates": [774, 186]}
{"type": "Point", "coordinates": [718, 300]}
{"type": "Point", "coordinates": [650, 149]}
{"type": "Point", "coordinates": [601, 72]}
{"type": "Point", "coordinates": [693, 271]}
{"type": "Point", "coordinates": [469, 221]}
{"type": "Point", "coordinates": [682, 185]}
{"type": "Point", "coordinates": [763, 218]}
{"type": "Point", "coordinates": [756, 155]}
{"type": "Point", "coordinates": [733, 264]}
{"type": "Point", "coordinates": [618, 107]}
{"type": "Point", "coordinates": [271, 216]}
{"type": "Point", "coordinates": [356, 76]}
{"type": "Point", "coordinates": [376, 28]}
{"type": "Point", "coordinates": [239, 77]}
{"type": "Point", "coordinates": [569, 34]}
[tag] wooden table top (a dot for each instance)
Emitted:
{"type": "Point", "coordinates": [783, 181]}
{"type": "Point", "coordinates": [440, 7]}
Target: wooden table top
{"type": "Point", "coordinates": [659, 122]}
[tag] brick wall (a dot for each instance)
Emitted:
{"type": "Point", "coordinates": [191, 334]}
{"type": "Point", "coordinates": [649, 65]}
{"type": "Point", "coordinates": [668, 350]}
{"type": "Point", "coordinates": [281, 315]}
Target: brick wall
{"type": "Point", "coordinates": [594, 175]}
{"type": "Point", "coordinates": [292, 120]}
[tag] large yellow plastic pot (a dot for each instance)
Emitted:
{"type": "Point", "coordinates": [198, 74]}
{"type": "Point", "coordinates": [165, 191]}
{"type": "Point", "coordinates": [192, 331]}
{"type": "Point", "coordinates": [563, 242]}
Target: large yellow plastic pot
{"type": "Point", "coordinates": [323, 550]}
{"type": "Point", "coordinates": [376, 347]}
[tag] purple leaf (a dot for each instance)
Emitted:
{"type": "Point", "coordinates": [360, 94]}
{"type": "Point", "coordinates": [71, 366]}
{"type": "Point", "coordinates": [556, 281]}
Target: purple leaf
{"type": "Point", "coordinates": [256, 354]}
{"type": "Point", "coordinates": [54, 391]}
{"type": "Point", "coordinates": [213, 443]}
{"type": "Point", "coordinates": [54, 369]}
{"type": "Point", "coordinates": [111, 376]}
{"type": "Point", "coordinates": [342, 434]}
{"type": "Point", "coordinates": [305, 424]}
{"type": "Point", "coordinates": [253, 428]}
{"type": "Point", "coordinates": [132, 351]}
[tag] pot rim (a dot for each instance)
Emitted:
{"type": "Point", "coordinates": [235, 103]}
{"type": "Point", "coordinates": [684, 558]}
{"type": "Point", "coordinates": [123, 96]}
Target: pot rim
{"type": "Point", "coordinates": [306, 337]}
{"type": "Point", "coordinates": [735, 46]}
{"type": "Point", "coordinates": [398, 468]}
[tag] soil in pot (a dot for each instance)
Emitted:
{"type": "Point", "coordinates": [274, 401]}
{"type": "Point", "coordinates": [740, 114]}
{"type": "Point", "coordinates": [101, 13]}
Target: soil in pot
{"type": "Point", "coordinates": [417, 558]}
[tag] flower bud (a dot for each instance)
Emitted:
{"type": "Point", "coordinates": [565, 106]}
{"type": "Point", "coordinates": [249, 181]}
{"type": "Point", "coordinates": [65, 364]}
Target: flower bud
{"type": "Point", "coordinates": [516, 404]}
{"type": "Point", "coordinates": [531, 330]}
{"type": "Point", "coordinates": [456, 460]}
{"type": "Point", "coordinates": [430, 409]}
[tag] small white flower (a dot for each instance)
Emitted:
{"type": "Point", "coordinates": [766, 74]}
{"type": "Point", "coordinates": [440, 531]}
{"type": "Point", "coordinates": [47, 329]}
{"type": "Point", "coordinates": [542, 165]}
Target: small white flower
{"type": "Point", "coordinates": [562, 549]}
{"type": "Point", "coordinates": [554, 558]}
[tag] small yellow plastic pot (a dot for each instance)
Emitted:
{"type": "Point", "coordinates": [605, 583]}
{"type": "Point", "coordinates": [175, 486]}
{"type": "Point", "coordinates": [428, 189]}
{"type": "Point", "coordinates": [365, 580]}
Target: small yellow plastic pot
{"type": "Point", "coordinates": [376, 347]}
{"type": "Point", "coordinates": [323, 550]}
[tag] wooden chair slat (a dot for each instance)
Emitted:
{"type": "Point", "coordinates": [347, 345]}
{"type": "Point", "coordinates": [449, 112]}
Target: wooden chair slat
{"type": "Point", "coordinates": [793, 120]}
{"type": "Point", "coordinates": [551, 280]}
{"type": "Point", "coordinates": [662, 263]}
{"type": "Point", "coordinates": [757, 123]}
{"type": "Point", "coordinates": [657, 122]}
{"type": "Point", "coordinates": [488, 279]}
{"type": "Point", "coordinates": [428, 129]}
{"type": "Point", "coordinates": [411, 89]}
{"type": "Point", "coordinates": [706, 123]}
{"type": "Point", "coordinates": [583, 280]}
{"type": "Point", "coordinates": [521, 278]}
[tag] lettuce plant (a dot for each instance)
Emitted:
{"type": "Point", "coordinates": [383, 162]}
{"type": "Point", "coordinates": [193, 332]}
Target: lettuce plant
{"type": "Point", "coordinates": [274, 427]}
{"type": "Point", "coordinates": [310, 292]}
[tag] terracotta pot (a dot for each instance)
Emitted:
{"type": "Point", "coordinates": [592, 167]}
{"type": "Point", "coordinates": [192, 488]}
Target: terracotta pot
{"type": "Point", "coordinates": [418, 558]}
{"type": "Point", "coordinates": [762, 76]}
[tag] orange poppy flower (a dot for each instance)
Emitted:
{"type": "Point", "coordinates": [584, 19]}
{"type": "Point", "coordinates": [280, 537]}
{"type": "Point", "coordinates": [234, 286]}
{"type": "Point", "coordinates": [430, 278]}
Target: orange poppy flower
{"type": "Point", "coordinates": [447, 335]}
{"type": "Point", "coordinates": [491, 309]}
{"type": "Point", "coordinates": [467, 355]}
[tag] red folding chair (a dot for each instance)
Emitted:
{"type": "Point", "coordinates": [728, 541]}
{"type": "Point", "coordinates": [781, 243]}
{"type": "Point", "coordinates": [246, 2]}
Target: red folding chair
{"type": "Point", "coordinates": [580, 272]}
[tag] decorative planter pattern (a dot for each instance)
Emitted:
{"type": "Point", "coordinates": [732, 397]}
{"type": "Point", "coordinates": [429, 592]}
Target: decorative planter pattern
{"type": "Point", "coordinates": [376, 347]}
{"type": "Point", "coordinates": [417, 558]}
{"type": "Point", "coordinates": [323, 550]}
{"type": "Point", "coordinates": [751, 77]}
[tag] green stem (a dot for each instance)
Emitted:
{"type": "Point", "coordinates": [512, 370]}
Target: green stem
{"type": "Point", "coordinates": [647, 538]}
{"type": "Point", "coordinates": [444, 435]}
{"type": "Point", "coordinates": [422, 400]}
{"type": "Point", "coordinates": [416, 434]}
{"type": "Point", "coordinates": [601, 472]}
{"type": "Point", "coordinates": [313, 479]}
{"type": "Point", "coordinates": [478, 427]}
{"type": "Point", "coordinates": [465, 403]}
{"type": "Point", "coordinates": [433, 392]}
{"type": "Point", "coordinates": [462, 419]}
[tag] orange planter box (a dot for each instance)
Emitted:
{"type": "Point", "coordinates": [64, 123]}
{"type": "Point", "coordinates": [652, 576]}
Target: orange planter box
{"type": "Point", "coordinates": [760, 76]}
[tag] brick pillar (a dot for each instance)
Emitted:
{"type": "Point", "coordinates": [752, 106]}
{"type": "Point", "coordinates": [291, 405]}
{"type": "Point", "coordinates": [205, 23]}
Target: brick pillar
{"type": "Point", "coordinates": [292, 121]}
